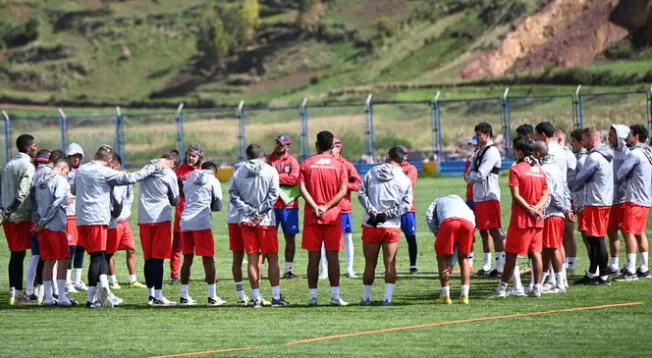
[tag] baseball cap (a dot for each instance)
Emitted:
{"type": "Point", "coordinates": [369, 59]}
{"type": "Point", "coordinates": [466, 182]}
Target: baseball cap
{"type": "Point", "coordinates": [283, 139]}
{"type": "Point", "coordinates": [42, 158]}
{"type": "Point", "coordinates": [473, 140]}
{"type": "Point", "coordinates": [337, 143]}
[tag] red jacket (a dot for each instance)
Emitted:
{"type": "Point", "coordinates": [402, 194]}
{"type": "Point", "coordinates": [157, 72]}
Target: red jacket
{"type": "Point", "coordinates": [288, 169]}
{"type": "Point", "coordinates": [183, 172]}
{"type": "Point", "coordinates": [354, 183]}
{"type": "Point", "coordinates": [412, 173]}
{"type": "Point", "coordinates": [469, 186]}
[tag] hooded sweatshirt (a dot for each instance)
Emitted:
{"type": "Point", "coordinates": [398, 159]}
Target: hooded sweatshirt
{"type": "Point", "coordinates": [73, 148]}
{"type": "Point", "coordinates": [620, 152]}
{"type": "Point", "coordinates": [447, 207]}
{"type": "Point", "coordinates": [559, 199]}
{"type": "Point", "coordinates": [386, 189]}
{"type": "Point", "coordinates": [16, 181]}
{"type": "Point", "coordinates": [254, 191]}
{"type": "Point", "coordinates": [93, 182]}
{"type": "Point", "coordinates": [484, 175]}
{"type": "Point", "coordinates": [596, 177]}
{"type": "Point", "coordinates": [635, 176]}
{"type": "Point", "coordinates": [158, 193]}
{"type": "Point", "coordinates": [203, 194]}
{"type": "Point", "coordinates": [232, 216]}
{"type": "Point", "coordinates": [52, 191]}
{"type": "Point", "coordinates": [578, 195]}
{"type": "Point", "coordinates": [123, 197]}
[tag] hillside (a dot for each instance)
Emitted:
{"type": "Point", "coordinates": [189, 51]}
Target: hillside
{"type": "Point", "coordinates": [146, 53]}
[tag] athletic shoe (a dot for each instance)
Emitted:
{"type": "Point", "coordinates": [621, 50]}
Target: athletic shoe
{"type": "Point", "coordinates": [289, 275]}
{"type": "Point", "coordinates": [586, 280]}
{"type": "Point", "coordinates": [351, 274]}
{"type": "Point", "coordinates": [387, 302]}
{"type": "Point", "coordinates": [33, 298]}
{"type": "Point", "coordinates": [414, 270]}
{"type": "Point", "coordinates": [116, 300]}
{"type": "Point", "coordinates": [136, 284]}
{"type": "Point", "coordinates": [164, 302]}
{"type": "Point", "coordinates": [534, 293]}
{"type": "Point", "coordinates": [549, 288]}
{"type": "Point", "coordinates": [257, 303]}
{"type": "Point", "coordinates": [482, 273]}
{"type": "Point", "coordinates": [338, 302]}
{"type": "Point", "coordinates": [174, 281]}
{"type": "Point", "coordinates": [25, 301]}
{"type": "Point", "coordinates": [12, 301]}
{"type": "Point", "coordinates": [94, 305]}
{"type": "Point", "coordinates": [217, 301]}
{"type": "Point", "coordinates": [463, 300]}
{"type": "Point", "coordinates": [281, 302]}
{"type": "Point", "coordinates": [626, 276]}
{"type": "Point", "coordinates": [67, 302]}
{"type": "Point", "coordinates": [598, 281]}
{"type": "Point", "coordinates": [243, 301]}
{"type": "Point", "coordinates": [70, 288]}
{"type": "Point", "coordinates": [150, 300]}
{"type": "Point", "coordinates": [364, 302]}
{"type": "Point", "coordinates": [561, 289]}
{"type": "Point", "coordinates": [494, 273]}
{"type": "Point", "coordinates": [81, 286]}
{"type": "Point", "coordinates": [642, 274]}
{"type": "Point", "coordinates": [499, 293]}
{"type": "Point", "coordinates": [50, 303]}
{"type": "Point", "coordinates": [266, 303]}
{"type": "Point", "coordinates": [323, 275]}
{"type": "Point", "coordinates": [115, 286]}
{"type": "Point", "coordinates": [312, 302]}
{"type": "Point", "coordinates": [518, 292]}
{"type": "Point", "coordinates": [443, 301]}
{"type": "Point", "coordinates": [612, 270]}
{"type": "Point", "coordinates": [187, 301]}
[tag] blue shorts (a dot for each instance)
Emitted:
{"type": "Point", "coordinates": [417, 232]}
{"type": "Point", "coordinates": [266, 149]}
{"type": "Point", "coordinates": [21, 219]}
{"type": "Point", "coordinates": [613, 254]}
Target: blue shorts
{"type": "Point", "coordinates": [289, 219]}
{"type": "Point", "coordinates": [35, 249]}
{"type": "Point", "coordinates": [409, 224]}
{"type": "Point", "coordinates": [347, 223]}
{"type": "Point", "coordinates": [471, 205]}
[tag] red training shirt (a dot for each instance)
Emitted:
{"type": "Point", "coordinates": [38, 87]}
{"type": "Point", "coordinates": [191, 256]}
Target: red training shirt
{"type": "Point", "coordinates": [531, 182]}
{"type": "Point", "coordinates": [353, 184]}
{"type": "Point", "coordinates": [469, 186]}
{"type": "Point", "coordinates": [323, 176]}
{"type": "Point", "coordinates": [412, 173]}
{"type": "Point", "coordinates": [287, 167]}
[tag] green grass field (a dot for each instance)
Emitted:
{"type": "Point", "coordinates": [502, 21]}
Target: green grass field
{"type": "Point", "coordinates": [136, 330]}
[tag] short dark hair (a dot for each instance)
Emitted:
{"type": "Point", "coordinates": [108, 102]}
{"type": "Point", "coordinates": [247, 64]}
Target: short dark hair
{"type": "Point", "coordinates": [23, 142]}
{"type": "Point", "coordinates": [254, 151]}
{"type": "Point", "coordinates": [117, 158]}
{"type": "Point", "coordinates": [397, 154]}
{"type": "Point", "coordinates": [55, 155]}
{"type": "Point", "coordinates": [324, 141]}
{"type": "Point", "coordinates": [541, 147]}
{"type": "Point", "coordinates": [209, 166]}
{"type": "Point", "coordinates": [639, 131]}
{"type": "Point", "coordinates": [576, 134]}
{"type": "Point", "coordinates": [173, 155]}
{"type": "Point", "coordinates": [525, 145]}
{"type": "Point", "coordinates": [545, 128]}
{"type": "Point", "coordinates": [525, 130]}
{"type": "Point", "coordinates": [63, 160]}
{"type": "Point", "coordinates": [104, 153]}
{"type": "Point", "coordinates": [484, 127]}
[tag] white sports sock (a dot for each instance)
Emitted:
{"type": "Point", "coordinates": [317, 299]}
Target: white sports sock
{"type": "Point", "coordinates": [571, 263]}
{"type": "Point", "coordinates": [644, 264]}
{"type": "Point", "coordinates": [48, 290]}
{"type": "Point", "coordinates": [288, 267]}
{"type": "Point", "coordinates": [499, 261]}
{"type": "Point", "coordinates": [31, 274]}
{"type": "Point", "coordinates": [151, 292]}
{"type": "Point", "coordinates": [631, 263]}
{"type": "Point", "coordinates": [68, 275]}
{"type": "Point", "coordinates": [537, 287]}
{"type": "Point", "coordinates": [113, 279]}
{"type": "Point", "coordinates": [389, 291]}
{"type": "Point", "coordinates": [348, 251]}
{"type": "Point", "coordinates": [132, 279]}
{"type": "Point", "coordinates": [255, 293]}
{"type": "Point", "coordinates": [470, 260]}
{"type": "Point", "coordinates": [561, 282]}
{"type": "Point", "coordinates": [158, 294]}
{"type": "Point", "coordinates": [104, 281]}
{"type": "Point", "coordinates": [12, 292]}
{"type": "Point", "coordinates": [90, 294]}
{"type": "Point", "coordinates": [212, 291]}
{"type": "Point", "coordinates": [446, 291]}
{"type": "Point", "coordinates": [78, 276]}
{"type": "Point", "coordinates": [544, 276]}
{"type": "Point", "coordinates": [366, 292]}
{"type": "Point", "coordinates": [614, 262]}
{"type": "Point", "coordinates": [592, 275]}
{"type": "Point", "coordinates": [312, 292]}
{"type": "Point", "coordinates": [503, 285]}
{"type": "Point", "coordinates": [551, 276]}
{"type": "Point", "coordinates": [239, 289]}
{"type": "Point", "coordinates": [54, 275]}
{"type": "Point", "coordinates": [465, 290]}
{"type": "Point", "coordinates": [184, 291]}
{"type": "Point", "coordinates": [486, 261]}
{"type": "Point", "coordinates": [517, 278]}
{"type": "Point", "coordinates": [276, 292]}
{"type": "Point", "coordinates": [61, 284]}
{"type": "Point", "coordinates": [335, 292]}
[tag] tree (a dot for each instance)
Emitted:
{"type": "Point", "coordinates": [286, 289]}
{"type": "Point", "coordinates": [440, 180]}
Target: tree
{"type": "Point", "coordinates": [205, 44]}
{"type": "Point", "coordinates": [222, 41]}
{"type": "Point", "coordinates": [249, 18]}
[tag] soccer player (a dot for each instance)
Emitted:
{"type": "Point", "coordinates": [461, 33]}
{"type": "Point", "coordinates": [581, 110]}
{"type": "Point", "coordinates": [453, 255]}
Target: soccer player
{"type": "Point", "coordinates": [157, 194]}
{"type": "Point", "coordinates": [529, 187]}
{"type": "Point", "coordinates": [35, 268]}
{"type": "Point", "coordinates": [483, 175]}
{"type": "Point", "coordinates": [525, 131]}
{"type": "Point", "coordinates": [323, 184]}
{"type": "Point", "coordinates": [635, 175]}
{"type": "Point", "coordinates": [192, 162]}
{"type": "Point", "coordinates": [16, 212]}
{"type": "Point", "coordinates": [385, 195]}
{"type": "Point", "coordinates": [76, 263]}
{"type": "Point", "coordinates": [618, 134]}
{"type": "Point", "coordinates": [287, 214]}
{"type": "Point", "coordinates": [554, 215]}
{"type": "Point", "coordinates": [409, 219]}
{"type": "Point", "coordinates": [253, 193]}
{"type": "Point", "coordinates": [204, 195]}
{"type": "Point", "coordinates": [92, 188]}
{"type": "Point", "coordinates": [577, 146]}
{"type": "Point", "coordinates": [236, 245]}
{"type": "Point", "coordinates": [570, 247]}
{"type": "Point", "coordinates": [453, 225]}
{"type": "Point", "coordinates": [597, 179]}
{"type": "Point", "coordinates": [120, 236]}
{"type": "Point", "coordinates": [51, 194]}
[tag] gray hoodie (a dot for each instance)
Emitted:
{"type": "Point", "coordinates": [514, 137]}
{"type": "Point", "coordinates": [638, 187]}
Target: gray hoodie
{"type": "Point", "coordinates": [596, 177]}
{"type": "Point", "coordinates": [635, 176]}
{"type": "Point", "coordinates": [386, 189]}
{"type": "Point", "coordinates": [203, 195]}
{"type": "Point", "coordinates": [578, 195]}
{"type": "Point", "coordinates": [447, 207]}
{"type": "Point", "coordinates": [559, 197]}
{"type": "Point", "coordinates": [52, 192]}
{"type": "Point", "coordinates": [158, 193]}
{"type": "Point", "coordinates": [73, 148]}
{"type": "Point", "coordinates": [16, 182]}
{"type": "Point", "coordinates": [254, 190]}
{"type": "Point", "coordinates": [232, 216]}
{"type": "Point", "coordinates": [124, 197]}
{"type": "Point", "coordinates": [484, 178]}
{"type": "Point", "coordinates": [93, 183]}
{"type": "Point", "coordinates": [620, 152]}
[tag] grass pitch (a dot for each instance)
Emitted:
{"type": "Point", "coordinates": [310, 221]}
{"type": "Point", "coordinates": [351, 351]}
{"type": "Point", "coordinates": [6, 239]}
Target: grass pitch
{"type": "Point", "coordinates": [136, 330]}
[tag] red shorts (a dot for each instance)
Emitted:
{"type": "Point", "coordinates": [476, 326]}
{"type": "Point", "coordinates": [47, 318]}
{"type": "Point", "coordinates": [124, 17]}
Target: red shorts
{"type": "Point", "coordinates": [488, 215]}
{"type": "Point", "coordinates": [580, 221]}
{"type": "Point", "coordinates": [156, 240]}
{"type": "Point", "coordinates": [199, 242]}
{"type": "Point", "coordinates": [553, 232]}
{"type": "Point", "coordinates": [454, 232]}
{"type": "Point", "coordinates": [330, 235]}
{"type": "Point", "coordinates": [120, 238]}
{"type": "Point", "coordinates": [635, 219]}
{"type": "Point", "coordinates": [19, 235]}
{"type": "Point", "coordinates": [262, 239]}
{"type": "Point", "coordinates": [93, 237]}
{"type": "Point", "coordinates": [596, 220]}
{"type": "Point", "coordinates": [235, 238]}
{"type": "Point", "coordinates": [523, 241]}
{"type": "Point", "coordinates": [71, 231]}
{"type": "Point", "coordinates": [616, 216]}
{"type": "Point", "coordinates": [379, 235]}
{"type": "Point", "coordinates": [53, 245]}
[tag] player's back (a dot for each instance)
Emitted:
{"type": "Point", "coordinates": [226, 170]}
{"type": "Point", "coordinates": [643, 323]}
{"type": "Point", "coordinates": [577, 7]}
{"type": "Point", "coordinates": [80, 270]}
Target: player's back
{"type": "Point", "coordinates": [322, 176]}
{"type": "Point", "coordinates": [157, 194]}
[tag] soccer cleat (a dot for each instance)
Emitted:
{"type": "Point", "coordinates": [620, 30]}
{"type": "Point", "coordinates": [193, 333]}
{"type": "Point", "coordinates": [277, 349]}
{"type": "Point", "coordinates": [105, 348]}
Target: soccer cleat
{"type": "Point", "coordinates": [24, 301]}
{"type": "Point", "coordinates": [586, 280]}
{"type": "Point", "coordinates": [642, 274]}
{"type": "Point", "coordinates": [163, 302]}
{"type": "Point", "coordinates": [67, 302]}
{"type": "Point", "coordinates": [364, 302]}
{"type": "Point", "coordinates": [81, 286]}
{"type": "Point", "coordinates": [599, 281]}
{"type": "Point", "coordinates": [499, 293]}
{"type": "Point", "coordinates": [150, 300]}
{"type": "Point", "coordinates": [93, 305]}
{"type": "Point", "coordinates": [626, 276]}
{"type": "Point", "coordinates": [115, 286]}
{"type": "Point", "coordinates": [217, 301]}
{"type": "Point", "coordinates": [561, 289]}
{"type": "Point", "coordinates": [494, 274]}
{"type": "Point", "coordinates": [534, 293]}
{"type": "Point", "coordinates": [50, 303]}
{"type": "Point", "coordinates": [289, 275]}
{"type": "Point", "coordinates": [70, 288]}
{"type": "Point", "coordinates": [351, 274]}
{"type": "Point", "coordinates": [116, 300]}
{"type": "Point", "coordinates": [312, 302]}
{"type": "Point", "coordinates": [136, 284]}
{"type": "Point", "coordinates": [482, 273]}
{"type": "Point", "coordinates": [257, 303]}
{"type": "Point", "coordinates": [33, 298]}
{"type": "Point", "coordinates": [281, 302]}
{"type": "Point", "coordinates": [187, 301]}
{"type": "Point", "coordinates": [12, 301]}
{"type": "Point", "coordinates": [518, 292]}
{"type": "Point", "coordinates": [414, 270]}
{"type": "Point", "coordinates": [338, 302]}
{"type": "Point", "coordinates": [174, 281]}
{"type": "Point", "coordinates": [443, 300]}
{"type": "Point", "coordinates": [463, 300]}
{"type": "Point", "coordinates": [549, 288]}
{"type": "Point", "coordinates": [323, 275]}
{"type": "Point", "coordinates": [243, 301]}
{"type": "Point", "coordinates": [387, 302]}
{"type": "Point", "coordinates": [612, 270]}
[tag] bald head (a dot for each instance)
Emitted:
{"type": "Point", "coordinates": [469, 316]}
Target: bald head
{"type": "Point", "coordinates": [540, 149]}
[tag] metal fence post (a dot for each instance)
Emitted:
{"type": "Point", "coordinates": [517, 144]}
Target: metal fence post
{"type": "Point", "coordinates": [63, 129]}
{"type": "Point", "coordinates": [120, 136]}
{"type": "Point", "coordinates": [7, 134]}
{"type": "Point", "coordinates": [242, 140]}
{"type": "Point", "coordinates": [369, 109]}
{"type": "Point", "coordinates": [435, 119]}
{"type": "Point", "coordinates": [649, 115]}
{"type": "Point", "coordinates": [506, 123]}
{"type": "Point", "coordinates": [579, 107]}
{"type": "Point", "coordinates": [180, 132]}
{"type": "Point", "coordinates": [304, 140]}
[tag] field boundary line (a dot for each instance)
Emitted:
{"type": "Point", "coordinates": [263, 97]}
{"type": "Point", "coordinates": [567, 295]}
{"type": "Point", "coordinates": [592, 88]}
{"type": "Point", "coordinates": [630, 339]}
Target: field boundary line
{"type": "Point", "coordinates": [464, 321]}
{"type": "Point", "coordinates": [192, 354]}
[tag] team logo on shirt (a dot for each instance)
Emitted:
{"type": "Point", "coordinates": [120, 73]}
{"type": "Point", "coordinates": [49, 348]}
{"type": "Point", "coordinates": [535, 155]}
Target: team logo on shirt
{"type": "Point", "coordinates": [323, 161]}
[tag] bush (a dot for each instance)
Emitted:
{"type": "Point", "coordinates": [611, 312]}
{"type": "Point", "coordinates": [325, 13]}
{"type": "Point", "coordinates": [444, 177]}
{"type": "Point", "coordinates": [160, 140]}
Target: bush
{"type": "Point", "coordinates": [385, 26]}
{"type": "Point", "coordinates": [12, 35]}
